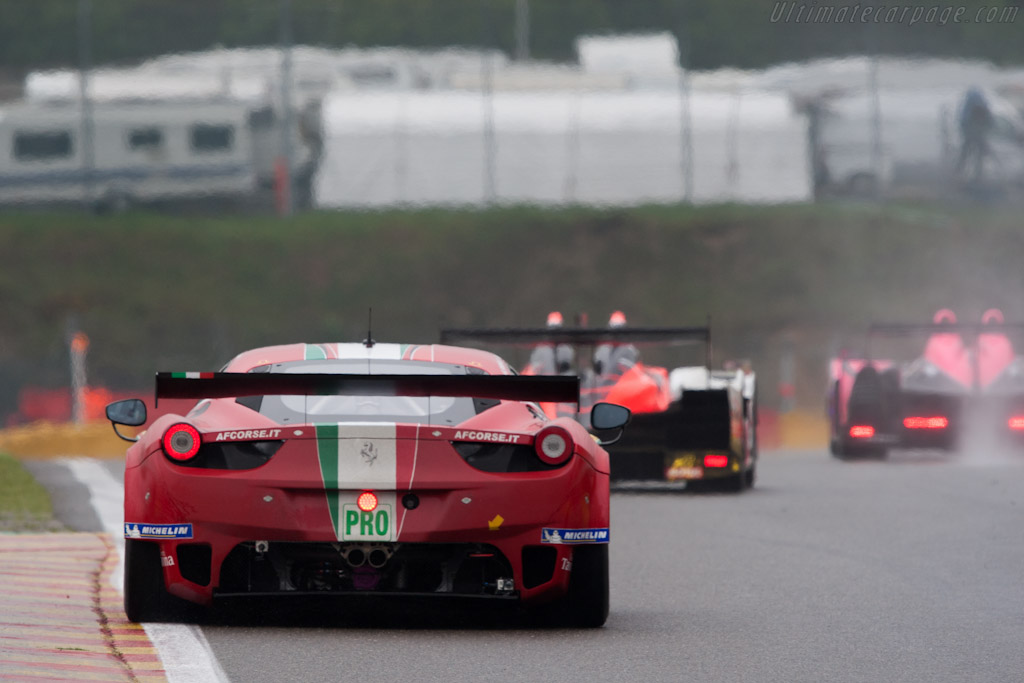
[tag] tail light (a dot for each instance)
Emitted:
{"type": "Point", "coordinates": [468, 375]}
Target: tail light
{"type": "Point", "coordinates": [181, 442]}
{"type": "Point", "coordinates": [716, 460]}
{"type": "Point", "coordinates": [554, 445]}
{"type": "Point", "coordinates": [862, 431]}
{"type": "Point", "coordinates": [367, 501]}
{"type": "Point", "coordinates": [937, 422]}
{"type": "Point", "coordinates": [1017, 422]}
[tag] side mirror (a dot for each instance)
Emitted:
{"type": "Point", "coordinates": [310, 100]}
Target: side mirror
{"type": "Point", "coordinates": [605, 416]}
{"type": "Point", "coordinates": [130, 412]}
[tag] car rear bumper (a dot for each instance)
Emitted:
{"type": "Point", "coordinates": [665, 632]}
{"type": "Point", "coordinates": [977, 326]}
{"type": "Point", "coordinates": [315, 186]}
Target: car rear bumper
{"type": "Point", "coordinates": [677, 466]}
{"type": "Point", "coordinates": [227, 512]}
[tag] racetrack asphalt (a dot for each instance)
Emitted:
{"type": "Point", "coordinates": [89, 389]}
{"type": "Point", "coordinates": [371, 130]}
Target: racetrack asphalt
{"type": "Point", "coordinates": [854, 572]}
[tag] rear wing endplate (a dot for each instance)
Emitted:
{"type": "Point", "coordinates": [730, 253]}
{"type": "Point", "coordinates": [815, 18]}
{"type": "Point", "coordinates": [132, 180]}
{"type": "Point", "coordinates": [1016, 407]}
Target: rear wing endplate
{"type": "Point", "coordinates": [197, 385]}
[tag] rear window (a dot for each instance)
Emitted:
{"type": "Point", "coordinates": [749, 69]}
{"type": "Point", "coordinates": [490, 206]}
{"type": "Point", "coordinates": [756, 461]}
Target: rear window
{"type": "Point", "coordinates": [439, 410]}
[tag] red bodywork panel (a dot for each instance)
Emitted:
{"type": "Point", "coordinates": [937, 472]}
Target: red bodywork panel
{"type": "Point", "coordinates": [642, 389]}
{"type": "Point", "coordinates": [972, 366]}
{"type": "Point", "coordinates": [995, 353]}
{"type": "Point", "coordinates": [306, 490]}
{"type": "Point", "coordinates": [948, 353]}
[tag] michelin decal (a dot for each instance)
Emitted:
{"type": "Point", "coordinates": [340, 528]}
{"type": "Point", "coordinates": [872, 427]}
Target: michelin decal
{"type": "Point", "coordinates": [571, 536]}
{"type": "Point", "coordinates": [157, 530]}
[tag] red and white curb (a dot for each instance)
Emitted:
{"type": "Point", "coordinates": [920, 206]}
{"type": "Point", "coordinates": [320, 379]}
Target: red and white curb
{"type": "Point", "coordinates": [183, 649]}
{"type": "Point", "coordinates": [59, 618]}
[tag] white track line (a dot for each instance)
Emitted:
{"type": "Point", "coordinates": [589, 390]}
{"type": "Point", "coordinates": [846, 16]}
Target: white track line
{"type": "Point", "coordinates": [184, 650]}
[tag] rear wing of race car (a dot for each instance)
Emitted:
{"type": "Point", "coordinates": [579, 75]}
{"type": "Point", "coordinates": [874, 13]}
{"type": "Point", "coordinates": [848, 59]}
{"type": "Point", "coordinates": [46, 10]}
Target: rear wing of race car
{"type": "Point", "coordinates": [198, 385]}
{"type": "Point", "coordinates": [972, 338]}
{"type": "Point", "coordinates": [582, 336]}
{"type": "Point", "coordinates": [970, 331]}
{"type": "Point", "coordinates": [915, 329]}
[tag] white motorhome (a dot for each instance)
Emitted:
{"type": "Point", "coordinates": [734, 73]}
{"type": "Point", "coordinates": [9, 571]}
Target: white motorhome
{"type": "Point", "coordinates": [141, 152]}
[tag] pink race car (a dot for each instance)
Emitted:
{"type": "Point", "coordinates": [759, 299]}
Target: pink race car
{"type": "Point", "coordinates": [968, 382]}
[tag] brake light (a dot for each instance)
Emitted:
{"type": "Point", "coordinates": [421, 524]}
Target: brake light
{"type": "Point", "coordinates": [181, 442]}
{"type": "Point", "coordinates": [716, 460]}
{"type": "Point", "coordinates": [553, 445]}
{"type": "Point", "coordinates": [862, 431]}
{"type": "Point", "coordinates": [1016, 423]}
{"type": "Point", "coordinates": [367, 501]}
{"type": "Point", "coordinates": [937, 422]}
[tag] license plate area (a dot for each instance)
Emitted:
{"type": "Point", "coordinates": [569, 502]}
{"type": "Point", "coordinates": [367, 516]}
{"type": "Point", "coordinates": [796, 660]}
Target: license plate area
{"type": "Point", "coordinates": [683, 467]}
{"type": "Point", "coordinates": [360, 525]}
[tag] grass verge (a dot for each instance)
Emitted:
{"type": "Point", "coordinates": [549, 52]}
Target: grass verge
{"type": "Point", "coordinates": [161, 292]}
{"type": "Point", "coordinates": [24, 504]}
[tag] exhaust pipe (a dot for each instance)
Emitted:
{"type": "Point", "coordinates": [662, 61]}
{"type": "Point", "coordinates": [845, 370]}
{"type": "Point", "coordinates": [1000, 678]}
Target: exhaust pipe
{"type": "Point", "coordinates": [356, 557]}
{"type": "Point", "coordinates": [358, 554]}
{"type": "Point", "coordinates": [378, 557]}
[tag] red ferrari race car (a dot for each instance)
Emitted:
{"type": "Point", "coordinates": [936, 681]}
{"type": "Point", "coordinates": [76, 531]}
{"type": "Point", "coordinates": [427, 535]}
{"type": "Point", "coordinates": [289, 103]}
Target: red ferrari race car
{"type": "Point", "coordinates": [966, 387]}
{"type": "Point", "coordinates": [690, 424]}
{"type": "Point", "coordinates": [367, 469]}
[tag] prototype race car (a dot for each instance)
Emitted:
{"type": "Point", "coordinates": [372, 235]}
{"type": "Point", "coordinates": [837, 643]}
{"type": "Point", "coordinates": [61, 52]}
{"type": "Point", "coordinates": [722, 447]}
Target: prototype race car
{"type": "Point", "coordinates": [367, 469]}
{"type": "Point", "coordinates": [968, 384]}
{"type": "Point", "coordinates": [691, 424]}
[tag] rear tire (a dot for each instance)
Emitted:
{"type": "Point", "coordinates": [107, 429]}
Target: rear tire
{"type": "Point", "coordinates": [145, 596]}
{"type": "Point", "coordinates": [588, 597]}
{"type": "Point", "coordinates": [750, 477]}
{"type": "Point", "coordinates": [838, 449]}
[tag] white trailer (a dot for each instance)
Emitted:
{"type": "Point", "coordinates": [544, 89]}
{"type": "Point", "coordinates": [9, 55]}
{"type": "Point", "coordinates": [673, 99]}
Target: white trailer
{"type": "Point", "coordinates": [141, 152]}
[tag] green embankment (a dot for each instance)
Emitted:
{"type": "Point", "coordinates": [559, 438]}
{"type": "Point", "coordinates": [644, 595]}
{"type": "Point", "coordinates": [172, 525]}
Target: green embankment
{"type": "Point", "coordinates": [24, 504]}
{"type": "Point", "coordinates": [183, 293]}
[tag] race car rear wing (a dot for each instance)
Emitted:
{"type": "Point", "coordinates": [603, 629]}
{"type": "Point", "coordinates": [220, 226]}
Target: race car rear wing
{"type": "Point", "coordinates": [582, 336]}
{"type": "Point", "coordinates": [971, 330]}
{"type": "Point", "coordinates": [912, 329]}
{"type": "Point", "coordinates": [198, 385]}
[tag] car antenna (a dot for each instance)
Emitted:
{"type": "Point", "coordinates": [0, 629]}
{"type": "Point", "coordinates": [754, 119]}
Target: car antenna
{"type": "Point", "coordinates": [368, 342]}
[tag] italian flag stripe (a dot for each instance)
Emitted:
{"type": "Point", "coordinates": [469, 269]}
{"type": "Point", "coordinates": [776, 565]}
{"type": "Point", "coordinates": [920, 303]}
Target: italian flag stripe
{"type": "Point", "coordinates": [327, 450]}
{"type": "Point", "coordinates": [192, 375]}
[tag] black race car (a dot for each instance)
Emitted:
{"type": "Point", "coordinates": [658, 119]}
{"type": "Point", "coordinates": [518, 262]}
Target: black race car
{"type": "Point", "coordinates": [689, 424]}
